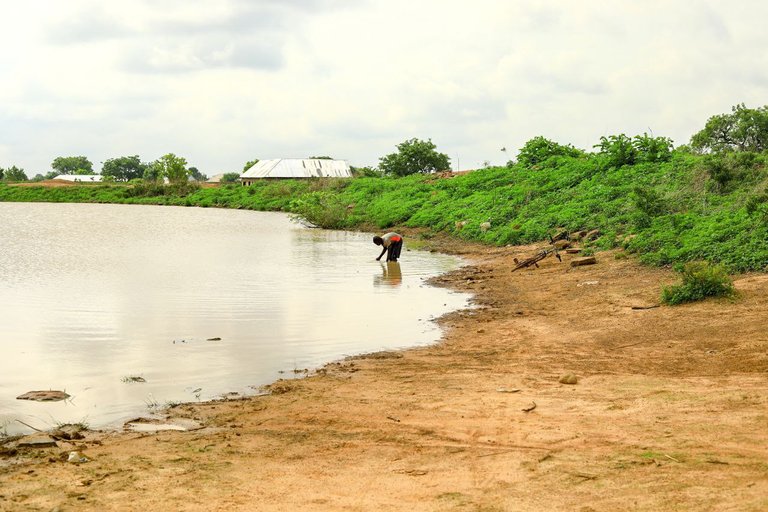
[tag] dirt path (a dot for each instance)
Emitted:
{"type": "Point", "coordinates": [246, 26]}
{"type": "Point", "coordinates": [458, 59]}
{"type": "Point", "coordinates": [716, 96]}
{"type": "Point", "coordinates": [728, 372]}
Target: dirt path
{"type": "Point", "coordinates": [670, 412]}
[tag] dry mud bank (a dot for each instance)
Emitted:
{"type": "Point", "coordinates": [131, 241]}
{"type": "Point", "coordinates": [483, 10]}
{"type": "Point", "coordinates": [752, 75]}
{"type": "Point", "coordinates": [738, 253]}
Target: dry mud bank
{"type": "Point", "coordinates": [669, 412]}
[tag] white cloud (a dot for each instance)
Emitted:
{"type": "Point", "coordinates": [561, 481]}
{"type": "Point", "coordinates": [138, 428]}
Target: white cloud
{"type": "Point", "coordinates": [224, 81]}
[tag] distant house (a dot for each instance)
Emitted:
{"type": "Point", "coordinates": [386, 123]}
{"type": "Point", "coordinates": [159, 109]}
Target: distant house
{"type": "Point", "coordinates": [282, 168]}
{"type": "Point", "coordinates": [84, 178]}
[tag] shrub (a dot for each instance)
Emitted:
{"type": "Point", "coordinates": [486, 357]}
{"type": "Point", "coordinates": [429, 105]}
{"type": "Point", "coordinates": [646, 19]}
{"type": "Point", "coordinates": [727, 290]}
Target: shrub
{"type": "Point", "coordinates": [320, 209]}
{"type": "Point", "coordinates": [539, 149]}
{"type": "Point", "coordinates": [700, 280]}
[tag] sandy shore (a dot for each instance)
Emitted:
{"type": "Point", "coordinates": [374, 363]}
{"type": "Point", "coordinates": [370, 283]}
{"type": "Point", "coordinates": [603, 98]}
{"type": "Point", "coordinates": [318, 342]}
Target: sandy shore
{"type": "Point", "coordinates": [669, 412]}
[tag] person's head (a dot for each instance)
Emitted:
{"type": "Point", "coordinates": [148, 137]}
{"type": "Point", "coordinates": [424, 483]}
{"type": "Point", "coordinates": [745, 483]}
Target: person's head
{"type": "Point", "coordinates": [378, 240]}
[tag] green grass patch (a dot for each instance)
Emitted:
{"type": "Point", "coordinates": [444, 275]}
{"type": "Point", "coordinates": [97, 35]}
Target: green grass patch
{"type": "Point", "coordinates": [699, 281]}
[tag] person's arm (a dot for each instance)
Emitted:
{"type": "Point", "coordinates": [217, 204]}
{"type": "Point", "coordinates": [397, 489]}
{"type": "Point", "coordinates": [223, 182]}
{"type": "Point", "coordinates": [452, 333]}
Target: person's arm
{"type": "Point", "coordinates": [382, 253]}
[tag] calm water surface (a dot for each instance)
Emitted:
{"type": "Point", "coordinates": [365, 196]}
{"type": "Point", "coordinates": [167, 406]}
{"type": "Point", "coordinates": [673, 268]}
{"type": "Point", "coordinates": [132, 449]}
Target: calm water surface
{"type": "Point", "coordinates": [92, 294]}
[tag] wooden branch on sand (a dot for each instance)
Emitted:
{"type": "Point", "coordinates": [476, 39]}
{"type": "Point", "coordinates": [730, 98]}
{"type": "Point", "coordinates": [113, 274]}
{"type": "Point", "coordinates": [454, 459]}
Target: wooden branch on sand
{"type": "Point", "coordinates": [534, 260]}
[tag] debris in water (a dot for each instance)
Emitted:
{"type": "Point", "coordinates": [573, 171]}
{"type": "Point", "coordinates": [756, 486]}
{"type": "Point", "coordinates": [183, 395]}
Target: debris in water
{"type": "Point", "coordinates": [44, 396]}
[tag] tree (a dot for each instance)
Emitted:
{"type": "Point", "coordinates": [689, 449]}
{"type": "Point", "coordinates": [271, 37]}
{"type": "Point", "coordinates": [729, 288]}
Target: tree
{"type": "Point", "coordinates": [196, 174]}
{"type": "Point", "coordinates": [539, 149]}
{"type": "Point", "coordinates": [124, 168]}
{"type": "Point", "coordinates": [744, 129]}
{"type": "Point", "coordinates": [153, 172]}
{"type": "Point", "coordinates": [71, 164]}
{"type": "Point", "coordinates": [320, 158]}
{"type": "Point", "coordinates": [365, 172]}
{"type": "Point", "coordinates": [414, 156]}
{"type": "Point", "coordinates": [172, 167]}
{"type": "Point", "coordinates": [13, 173]}
{"type": "Point", "coordinates": [230, 177]}
{"type": "Point", "coordinates": [250, 164]}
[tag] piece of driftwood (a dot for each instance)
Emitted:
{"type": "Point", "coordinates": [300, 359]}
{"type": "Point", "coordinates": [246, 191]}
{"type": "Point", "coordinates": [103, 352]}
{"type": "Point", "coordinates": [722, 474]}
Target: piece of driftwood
{"type": "Point", "coordinates": [563, 235]}
{"type": "Point", "coordinates": [587, 260]}
{"type": "Point", "coordinates": [534, 260]}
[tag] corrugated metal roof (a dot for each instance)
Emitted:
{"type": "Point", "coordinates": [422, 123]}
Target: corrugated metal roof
{"type": "Point", "coordinates": [79, 177]}
{"type": "Point", "coordinates": [298, 168]}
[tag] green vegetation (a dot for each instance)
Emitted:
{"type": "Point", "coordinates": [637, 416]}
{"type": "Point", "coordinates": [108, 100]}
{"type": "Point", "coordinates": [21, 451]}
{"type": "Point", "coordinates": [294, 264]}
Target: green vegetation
{"type": "Point", "coordinates": [124, 168]}
{"type": "Point", "coordinates": [744, 129]}
{"type": "Point", "coordinates": [700, 280]}
{"type": "Point", "coordinates": [72, 165]}
{"type": "Point", "coordinates": [414, 156]}
{"type": "Point", "coordinates": [539, 149]}
{"type": "Point", "coordinates": [668, 206]}
{"type": "Point", "coordinates": [12, 174]}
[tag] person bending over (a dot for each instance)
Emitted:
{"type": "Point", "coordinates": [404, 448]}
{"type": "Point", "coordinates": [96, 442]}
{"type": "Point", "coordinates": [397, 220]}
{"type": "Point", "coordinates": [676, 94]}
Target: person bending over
{"type": "Point", "coordinates": [391, 243]}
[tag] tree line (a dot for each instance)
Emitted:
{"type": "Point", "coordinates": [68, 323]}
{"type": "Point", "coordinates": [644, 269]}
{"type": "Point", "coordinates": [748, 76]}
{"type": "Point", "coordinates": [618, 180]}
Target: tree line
{"type": "Point", "coordinates": [743, 130]}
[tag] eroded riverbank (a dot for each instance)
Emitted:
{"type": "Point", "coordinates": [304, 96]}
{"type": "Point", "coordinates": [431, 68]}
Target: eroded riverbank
{"type": "Point", "coordinates": [668, 413]}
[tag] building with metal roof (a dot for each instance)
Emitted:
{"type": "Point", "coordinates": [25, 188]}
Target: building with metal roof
{"type": "Point", "coordinates": [287, 168]}
{"type": "Point", "coordinates": [83, 178]}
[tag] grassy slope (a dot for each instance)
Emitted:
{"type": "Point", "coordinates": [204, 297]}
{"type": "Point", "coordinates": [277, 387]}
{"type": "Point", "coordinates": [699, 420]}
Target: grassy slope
{"type": "Point", "coordinates": [668, 213]}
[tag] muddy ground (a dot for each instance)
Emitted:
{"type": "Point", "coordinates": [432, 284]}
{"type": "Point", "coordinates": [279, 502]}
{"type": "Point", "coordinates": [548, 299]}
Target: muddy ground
{"type": "Point", "coordinates": [669, 412]}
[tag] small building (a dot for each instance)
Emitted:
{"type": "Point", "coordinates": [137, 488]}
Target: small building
{"type": "Point", "coordinates": [80, 178]}
{"type": "Point", "coordinates": [288, 168]}
{"type": "Point", "coordinates": [216, 178]}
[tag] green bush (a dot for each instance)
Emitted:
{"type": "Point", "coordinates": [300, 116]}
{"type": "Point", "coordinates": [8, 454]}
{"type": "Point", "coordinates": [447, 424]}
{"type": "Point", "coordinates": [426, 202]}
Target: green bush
{"type": "Point", "coordinates": [700, 280]}
{"type": "Point", "coordinates": [320, 209]}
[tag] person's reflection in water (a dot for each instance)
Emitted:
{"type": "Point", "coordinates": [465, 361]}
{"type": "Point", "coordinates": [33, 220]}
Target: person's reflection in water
{"type": "Point", "coordinates": [391, 275]}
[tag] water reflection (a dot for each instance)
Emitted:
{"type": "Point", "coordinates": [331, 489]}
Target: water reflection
{"type": "Point", "coordinates": [391, 274]}
{"type": "Point", "coordinates": [85, 307]}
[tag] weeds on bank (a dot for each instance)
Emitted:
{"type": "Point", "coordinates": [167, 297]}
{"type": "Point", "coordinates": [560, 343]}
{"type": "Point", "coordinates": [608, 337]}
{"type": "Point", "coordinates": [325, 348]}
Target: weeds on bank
{"type": "Point", "coordinates": [699, 280]}
{"type": "Point", "coordinates": [688, 207]}
{"type": "Point", "coordinates": [133, 378]}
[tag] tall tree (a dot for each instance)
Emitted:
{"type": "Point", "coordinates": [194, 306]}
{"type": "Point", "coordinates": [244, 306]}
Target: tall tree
{"type": "Point", "coordinates": [744, 129]}
{"type": "Point", "coordinates": [124, 168]}
{"type": "Point", "coordinates": [172, 167]}
{"type": "Point", "coordinates": [414, 156]}
{"type": "Point", "coordinates": [196, 174]}
{"type": "Point", "coordinates": [71, 164]}
{"type": "Point", "coordinates": [14, 173]}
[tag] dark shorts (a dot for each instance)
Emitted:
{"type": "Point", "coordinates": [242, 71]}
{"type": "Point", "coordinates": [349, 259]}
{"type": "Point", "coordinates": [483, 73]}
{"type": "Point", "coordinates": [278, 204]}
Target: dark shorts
{"type": "Point", "coordinates": [393, 251]}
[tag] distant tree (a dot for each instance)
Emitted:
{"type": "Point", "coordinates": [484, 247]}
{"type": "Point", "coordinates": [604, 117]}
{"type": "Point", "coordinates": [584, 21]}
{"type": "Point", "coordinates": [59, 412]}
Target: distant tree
{"type": "Point", "coordinates": [2, 172]}
{"type": "Point", "coordinates": [71, 164]}
{"type": "Point", "coordinates": [320, 158]}
{"type": "Point", "coordinates": [37, 177]}
{"type": "Point", "coordinates": [172, 167]}
{"type": "Point", "coordinates": [13, 173]}
{"type": "Point", "coordinates": [153, 172]}
{"type": "Point", "coordinates": [539, 149]}
{"type": "Point", "coordinates": [230, 177]}
{"type": "Point", "coordinates": [124, 168]}
{"type": "Point", "coordinates": [414, 156]}
{"type": "Point", "coordinates": [744, 129]}
{"type": "Point", "coordinates": [365, 172]}
{"type": "Point", "coordinates": [196, 174]}
{"type": "Point", "coordinates": [250, 164]}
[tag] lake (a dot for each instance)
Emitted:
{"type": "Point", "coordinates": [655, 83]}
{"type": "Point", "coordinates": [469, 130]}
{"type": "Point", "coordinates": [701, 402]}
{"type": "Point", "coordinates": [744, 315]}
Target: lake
{"type": "Point", "coordinates": [196, 302]}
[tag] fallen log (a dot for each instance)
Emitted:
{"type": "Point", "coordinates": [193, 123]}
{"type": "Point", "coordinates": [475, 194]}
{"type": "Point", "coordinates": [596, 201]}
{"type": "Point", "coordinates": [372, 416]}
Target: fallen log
{"type": "Point", "coordinates": [534, 260]}
{"type": "Point", "coordinates": [587, 260]}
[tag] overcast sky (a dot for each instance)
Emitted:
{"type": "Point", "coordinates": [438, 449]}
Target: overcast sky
{"type": "Point", "coordinates": [221, 82]}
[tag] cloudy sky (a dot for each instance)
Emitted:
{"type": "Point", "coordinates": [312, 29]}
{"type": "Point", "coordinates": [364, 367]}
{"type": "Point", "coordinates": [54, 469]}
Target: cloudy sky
{"type": "Point", "coordinates": [221, 82]}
